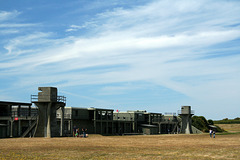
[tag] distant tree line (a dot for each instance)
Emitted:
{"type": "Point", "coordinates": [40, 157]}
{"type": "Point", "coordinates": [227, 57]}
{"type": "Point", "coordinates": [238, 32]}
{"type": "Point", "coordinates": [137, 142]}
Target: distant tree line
{"type": "Point", "coordinates": [228, 121]}
{"type": "Point", "coordinates": [202, 124]}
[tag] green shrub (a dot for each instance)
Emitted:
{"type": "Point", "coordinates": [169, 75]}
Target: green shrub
{"type": "Point", "coordinates": [210, 122]}
{"type": "Point", "coordinates": [202, 124]}
{"type": "Point", "coordinates": [237, 118]}
{"type": "Point", "coordinates": [228, 121]}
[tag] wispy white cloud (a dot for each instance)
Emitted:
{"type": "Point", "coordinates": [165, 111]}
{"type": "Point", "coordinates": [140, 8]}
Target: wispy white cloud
{"type": "Point", "coordinates": [86, 25]}
{"type": "Point", "coordinates": [16, 25]}
{"type": "Point", "coordinates": [8, 31]}
{"type": "Point", "coordinates": [17, 45]}
{"type": "Point", "coordinates": [74, 28]}
{"type": "Point", "coordinates": [165, 43]}
{"type": "Point", "coordinates": [4, 15]}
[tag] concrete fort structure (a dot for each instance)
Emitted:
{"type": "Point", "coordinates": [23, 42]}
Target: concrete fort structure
{"type": "Point", "coordinates": [50, 118]}
{"type": "Point", "coordinates": [96, 120]}
{"type": "Point", "coordinates": [16, 118]}
{"type": "Point", "coordinates": [48, 102]}
{"type": "Point", "coordinates": [108, 122]}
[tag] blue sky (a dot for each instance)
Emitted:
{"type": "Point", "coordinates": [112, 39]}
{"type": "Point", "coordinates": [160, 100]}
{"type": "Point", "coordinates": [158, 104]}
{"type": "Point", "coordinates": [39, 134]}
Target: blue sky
{"type": "Point", "coordinates": [137, 55]}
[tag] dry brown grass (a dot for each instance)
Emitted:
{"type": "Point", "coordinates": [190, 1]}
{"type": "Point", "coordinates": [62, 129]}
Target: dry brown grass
{"type": "Point", "coordinates": [230, 127]}
{"type": "Point", "coordinates": [123, 147]}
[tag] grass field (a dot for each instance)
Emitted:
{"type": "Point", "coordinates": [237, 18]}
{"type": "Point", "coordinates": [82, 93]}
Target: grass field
{"type": "Point", "coordinates": [123, 147]}
{"type": "Point", "coordinates": [232, 128]}
{"type": "Point", "coordinates": [126, 147]}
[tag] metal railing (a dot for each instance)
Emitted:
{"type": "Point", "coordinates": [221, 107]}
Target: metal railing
{"type": "Point", "coordinates": [156, 119]}
{"type": "Point", "coordinates": [170, 113]}
{"type": "Point", "coordinates": [19, 114]}
{"type": "Point", "coordinates": [61, 99]}
{"type": "Point", "coordinates": [66, 116]}
{"type": "Point", "coordinates": [123, 119]}
{"type": "Point", "coordinates": [184, 112]}
{"type": "Point", "coordinates": [39, 98]}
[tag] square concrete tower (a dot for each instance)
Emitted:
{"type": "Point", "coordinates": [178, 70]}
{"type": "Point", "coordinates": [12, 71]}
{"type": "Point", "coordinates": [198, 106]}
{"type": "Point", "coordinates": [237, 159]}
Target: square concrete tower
{"type": "Point", "coordinates": [186, 110]}
{"type": "Point", "coordinates": [186, 116]}
{"type": "Point", "coordinates": [47, 94]}
{"type": "Point", "coordinates": [48, 103]}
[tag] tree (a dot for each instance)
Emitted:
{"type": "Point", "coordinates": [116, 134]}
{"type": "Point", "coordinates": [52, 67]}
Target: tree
{"type": "Point", "coordinates": [237, 118]}
{"type": "Point", "coordinates": [210, 122]}
{"type": "Point", "coordinates": [202, 124]}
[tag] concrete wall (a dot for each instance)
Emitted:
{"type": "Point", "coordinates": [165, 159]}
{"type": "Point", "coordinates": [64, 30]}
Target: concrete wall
{"type": "Point", "coordinates": [149, 131]}
{"type": "Point", "coordinates": [3, 131]}
{"type": "Point", "coordinates": [84, 124]}
{"type": "Point", "coordinates": [80, 113]}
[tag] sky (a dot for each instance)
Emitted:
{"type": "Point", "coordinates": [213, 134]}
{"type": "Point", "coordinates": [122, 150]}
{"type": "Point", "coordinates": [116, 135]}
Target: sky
{"type": "Point", "coordinates": [154, 55]}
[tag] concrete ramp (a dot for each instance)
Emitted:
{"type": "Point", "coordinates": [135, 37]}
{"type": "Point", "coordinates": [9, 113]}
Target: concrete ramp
{"type": "Point", "coordinates": [196, 131]}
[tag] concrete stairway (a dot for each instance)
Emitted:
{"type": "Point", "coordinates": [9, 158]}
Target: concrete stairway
{"type": "Point", "coordinates": [30, 128]}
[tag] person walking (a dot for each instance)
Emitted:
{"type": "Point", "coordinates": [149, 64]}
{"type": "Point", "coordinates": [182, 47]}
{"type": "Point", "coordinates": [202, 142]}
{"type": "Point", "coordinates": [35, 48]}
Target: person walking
{"type": "Point", "coordinates": [84, 130]}
{"type": "Point", "coordinates": [214, 133]}
{"type": "Point", "coordinates": [210, 132]}
{"type": "Point", "coordinates": [74, 131]}
{"type": "Point", "coordinates": [77, 132]}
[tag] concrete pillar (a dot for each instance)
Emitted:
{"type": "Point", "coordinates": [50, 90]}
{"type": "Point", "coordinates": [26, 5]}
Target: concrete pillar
{"type": "Point", "coordinates": [101, 127]}
{"type": "Point", "coordinates": [8, 128]}
{"type": "Point", "coordinates": [48, 121]}
{"type": "Point", "coordinates": [30, 124]}
{"type": "Point", "coordinates": [112, 128]}
{"type": "Point", "coordinates": [106, 115]}
{"type": "Point", "coordinates": [71, 131]}
{"type": "Point", "coordinates": [48, 102]}
{"type": "Point", "coordinates": [9, 110]}
{"type": "Point", "coordinates": [107, 127]}
{"type": "Point", "coordinates": [101, 122]}
{"type": "Point", "coordinates": [124, 124]}
{"type": "Point", "coordinates": [95, 126]}
{"type": "Point", "coordinates": [69, 126]}
{"type": "Point", "coordinates": [19, 127]}
{"type": "Point", "coordinates": [186, 116]}
{"type": "Point", "coordinates": [119, 127]}
{"type": "Point", "coordinates": [186, 124]}
{"type": "Point", "coordinates": [62, 122]}
{"type": "Point", "coordinates": [159, 128]}
{"type": "Point", "coordinates": [112, 120]}
{"type": "Point", "coordinates": [11, 128]}
{"type": "Point", "coordinates": [149, 118]}
{"type": "Point", "coordinates": [133, 126]}
{"type": "Point", "coordinates": [130, 127]}
{"type": "Point", "coordinates": [18, 111]}
{"type": "Point", "coordinates": [29, 111]}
